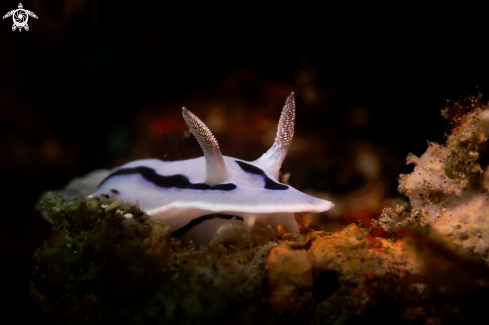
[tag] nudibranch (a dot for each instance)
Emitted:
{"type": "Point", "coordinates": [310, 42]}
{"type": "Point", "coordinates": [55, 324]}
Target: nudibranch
{"type": "Point", "coordinates": [205, 199]}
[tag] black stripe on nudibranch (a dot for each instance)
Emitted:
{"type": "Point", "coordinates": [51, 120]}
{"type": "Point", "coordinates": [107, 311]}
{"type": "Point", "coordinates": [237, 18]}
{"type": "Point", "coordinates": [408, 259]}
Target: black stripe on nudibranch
{"type": "Point", "coordinates": [199, 220]}
{"type": "Point", "coordinates": [176, 181]}
{"type": "Point", "coordinates": [269, 183]}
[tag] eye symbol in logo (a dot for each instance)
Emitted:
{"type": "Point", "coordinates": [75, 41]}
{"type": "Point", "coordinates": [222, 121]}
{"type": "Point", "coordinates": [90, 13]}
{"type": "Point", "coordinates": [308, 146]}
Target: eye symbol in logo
{"type": "Point", "coordinates": [20, 17]}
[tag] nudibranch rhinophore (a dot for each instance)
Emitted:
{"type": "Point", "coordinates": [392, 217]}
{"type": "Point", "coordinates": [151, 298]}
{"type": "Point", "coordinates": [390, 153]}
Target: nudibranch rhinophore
{"type": "Point", "coordinates": [205, 199]}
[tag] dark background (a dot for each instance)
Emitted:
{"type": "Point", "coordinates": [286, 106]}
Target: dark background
{"type": "Point", "coordinates": [94, 84]}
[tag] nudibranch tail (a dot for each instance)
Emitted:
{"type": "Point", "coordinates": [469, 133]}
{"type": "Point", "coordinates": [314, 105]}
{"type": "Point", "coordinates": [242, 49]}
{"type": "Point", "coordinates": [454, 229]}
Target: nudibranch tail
{"type": "Point", "coordinates": [215, 167]}
{"type": "Point", "coordinates": [271, 161]}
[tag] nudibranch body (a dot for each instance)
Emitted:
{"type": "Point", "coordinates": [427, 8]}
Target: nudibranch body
{"type": "Point", "coordinates": [205, 199]}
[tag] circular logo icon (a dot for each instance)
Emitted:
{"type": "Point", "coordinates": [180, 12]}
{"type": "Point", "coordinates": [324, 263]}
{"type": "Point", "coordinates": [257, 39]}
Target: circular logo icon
{"type": "Point", "coordinates": [20, 18]}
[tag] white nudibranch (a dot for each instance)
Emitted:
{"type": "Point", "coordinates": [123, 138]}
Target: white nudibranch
{"type": "Point", "coordinates": [205, 199]}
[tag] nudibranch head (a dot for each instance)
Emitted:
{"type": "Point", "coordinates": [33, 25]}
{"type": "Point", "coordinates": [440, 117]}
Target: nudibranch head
{"type": "Point", "coordinates": [204, 199]}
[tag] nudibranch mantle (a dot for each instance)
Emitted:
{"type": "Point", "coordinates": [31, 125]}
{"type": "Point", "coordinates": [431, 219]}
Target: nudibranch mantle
{"type": "Point", "coordinates": [199, 197]}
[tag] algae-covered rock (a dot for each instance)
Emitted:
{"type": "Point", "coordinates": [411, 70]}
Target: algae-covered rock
{"type": "Point", "coordinates": [101, 264]}
{"type": "Point", "coordinates": [104, 269]}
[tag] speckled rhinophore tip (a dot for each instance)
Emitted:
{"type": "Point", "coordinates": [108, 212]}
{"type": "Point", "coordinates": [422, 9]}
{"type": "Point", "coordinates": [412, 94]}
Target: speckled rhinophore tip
{"type": "Point", "coordinates": [215, 167]}
{"type": "Point", "coordinates": [271, 161]}
{"type": "Point", "coordinates": [285, 131]}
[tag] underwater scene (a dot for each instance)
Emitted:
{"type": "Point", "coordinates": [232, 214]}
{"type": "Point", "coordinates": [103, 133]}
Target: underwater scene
{"type": "Point", "coordinates": [264, 162]}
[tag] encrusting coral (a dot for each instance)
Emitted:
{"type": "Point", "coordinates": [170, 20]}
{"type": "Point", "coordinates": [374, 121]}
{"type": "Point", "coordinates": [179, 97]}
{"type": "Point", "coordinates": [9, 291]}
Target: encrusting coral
{"type": "Point", "coordinates": [449, 187]}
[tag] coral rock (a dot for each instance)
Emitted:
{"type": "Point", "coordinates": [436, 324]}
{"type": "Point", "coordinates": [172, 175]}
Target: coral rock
{"type": "Point", "coordinates": [290, 278]}
{"type": "Point", "coordinates": [337, 271]}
